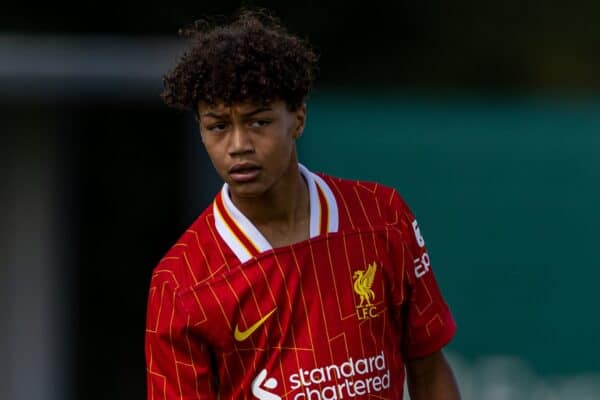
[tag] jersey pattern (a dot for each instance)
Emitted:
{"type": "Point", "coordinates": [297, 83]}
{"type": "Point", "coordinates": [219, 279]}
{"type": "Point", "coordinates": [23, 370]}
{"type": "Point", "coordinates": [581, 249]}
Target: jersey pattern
{"type": "Point", "coordinates": [332, 317]}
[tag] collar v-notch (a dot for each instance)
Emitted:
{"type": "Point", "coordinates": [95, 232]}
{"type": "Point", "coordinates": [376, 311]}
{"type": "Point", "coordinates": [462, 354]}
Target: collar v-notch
{"type": "Point", "coordinates": [246, 241]}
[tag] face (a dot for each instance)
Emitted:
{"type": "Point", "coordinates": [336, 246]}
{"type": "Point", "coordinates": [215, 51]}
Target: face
{"type": "Point", "coordinates": [252, 146]}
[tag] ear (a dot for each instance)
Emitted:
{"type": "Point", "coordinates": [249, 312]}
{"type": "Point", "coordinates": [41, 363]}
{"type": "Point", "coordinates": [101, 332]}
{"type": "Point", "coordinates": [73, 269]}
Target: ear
{"type": "Point", "coordinates": [300, 122]}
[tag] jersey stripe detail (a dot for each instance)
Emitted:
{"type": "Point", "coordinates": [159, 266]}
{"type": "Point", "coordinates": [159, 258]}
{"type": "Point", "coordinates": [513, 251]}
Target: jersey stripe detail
{"type": "Point", "coordinates": [324, 211]}
{"type": "Point", "coordinates": [231, 233]}
{"type": "Point", "coordinates": [313, 198]}
{"type": "Point", "coordinates": [245, 227]}
{"type": "Point", "coordinates": [333, 220]}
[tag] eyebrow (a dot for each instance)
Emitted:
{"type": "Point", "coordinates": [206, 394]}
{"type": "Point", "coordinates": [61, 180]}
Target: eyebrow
{"type": "Point", "coordinates": [248, 114]}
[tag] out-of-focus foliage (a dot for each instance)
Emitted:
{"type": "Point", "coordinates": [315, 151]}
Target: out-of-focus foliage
{"type": "Point", "coordinates": [511, 378]}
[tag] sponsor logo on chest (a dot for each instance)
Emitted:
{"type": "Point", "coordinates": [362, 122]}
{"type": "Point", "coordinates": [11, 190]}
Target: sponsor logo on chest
{"type": "Point", "coordinates": [354, 377]}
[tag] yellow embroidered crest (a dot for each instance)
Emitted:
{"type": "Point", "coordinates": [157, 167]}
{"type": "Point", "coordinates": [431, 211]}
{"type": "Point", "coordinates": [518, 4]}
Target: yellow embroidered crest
{"type": "Point", "coordinates": [363, 281]}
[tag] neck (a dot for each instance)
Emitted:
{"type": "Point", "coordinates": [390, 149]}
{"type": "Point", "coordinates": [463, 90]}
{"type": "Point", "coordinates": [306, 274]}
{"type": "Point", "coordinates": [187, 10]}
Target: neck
{"type": "Point", "coordinates": [285, 205]}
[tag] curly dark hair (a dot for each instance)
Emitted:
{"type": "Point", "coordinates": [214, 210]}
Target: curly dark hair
{"type": "Point", "coordinates": [250, 58]}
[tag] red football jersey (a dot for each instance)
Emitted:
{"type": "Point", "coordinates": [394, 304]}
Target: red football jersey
{"type": "Point", "coordinates": [332, 317]}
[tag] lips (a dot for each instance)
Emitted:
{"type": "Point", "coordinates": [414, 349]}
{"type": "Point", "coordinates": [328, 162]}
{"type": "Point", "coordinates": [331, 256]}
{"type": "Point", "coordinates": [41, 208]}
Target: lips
{"type": "Point", "coordinates": [244, 172]}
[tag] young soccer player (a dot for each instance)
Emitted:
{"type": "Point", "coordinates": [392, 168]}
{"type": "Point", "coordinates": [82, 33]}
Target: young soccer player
{"type": "Point", "coordinates": [291, 284]}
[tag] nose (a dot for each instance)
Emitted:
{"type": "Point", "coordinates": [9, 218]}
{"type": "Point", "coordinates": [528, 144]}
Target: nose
{"type": "Point", "coordinates": [240, 141]}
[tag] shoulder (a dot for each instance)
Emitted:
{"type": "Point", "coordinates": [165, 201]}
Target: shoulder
{"type": "Point", "coordinates": [365, 202]}
{"type": "Point", "coordinates": [194, 257]}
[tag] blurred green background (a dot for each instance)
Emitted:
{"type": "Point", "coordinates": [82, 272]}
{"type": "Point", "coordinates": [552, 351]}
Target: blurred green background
{"type": "Point", "coordinates": [506, 191]}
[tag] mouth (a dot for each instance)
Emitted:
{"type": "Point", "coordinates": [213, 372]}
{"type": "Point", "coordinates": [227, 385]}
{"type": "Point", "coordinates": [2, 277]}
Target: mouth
{"type": "Point", "coordinates": [244, 172]}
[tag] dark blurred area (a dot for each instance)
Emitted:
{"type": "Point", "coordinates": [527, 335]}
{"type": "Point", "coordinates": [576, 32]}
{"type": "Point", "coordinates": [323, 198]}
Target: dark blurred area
{"type": "Point", "coordinates": [504, 45]}
{"type": "Point", "coordinates": [99, 178]}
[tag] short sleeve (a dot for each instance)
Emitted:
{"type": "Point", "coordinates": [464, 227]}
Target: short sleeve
{"type": "Point", "coordinates": [178, 366]}
{"type": "Point", "coordinates": [427, 321]}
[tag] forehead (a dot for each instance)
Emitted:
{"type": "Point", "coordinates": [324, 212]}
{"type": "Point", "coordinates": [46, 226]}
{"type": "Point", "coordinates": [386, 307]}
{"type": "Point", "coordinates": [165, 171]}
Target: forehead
{"type": "Point", "coordinates": [238, 108]}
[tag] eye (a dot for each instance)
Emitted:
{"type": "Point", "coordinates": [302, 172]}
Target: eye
{"type": "Point", "coordinates": [216, 128]}
{"type": "Point", "coordinates": [259, 123]}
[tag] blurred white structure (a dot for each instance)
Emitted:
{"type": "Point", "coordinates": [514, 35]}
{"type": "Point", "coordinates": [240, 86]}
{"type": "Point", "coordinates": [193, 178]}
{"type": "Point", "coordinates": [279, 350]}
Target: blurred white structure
{"type": "Point", "coordinates": [63, 67]}
{"type": "Point", "coordinates": [35, 341]}
{"type": "Point", "coordinates": [510, 378]}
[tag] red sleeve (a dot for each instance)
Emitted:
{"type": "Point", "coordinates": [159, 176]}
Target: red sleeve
{"type": "Point", "coordinates": [177, 365]}
{"type": "Point", "coordinates": [427, 320]}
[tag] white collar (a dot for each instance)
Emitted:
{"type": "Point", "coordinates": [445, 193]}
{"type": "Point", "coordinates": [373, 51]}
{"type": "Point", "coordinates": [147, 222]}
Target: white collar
{"type": "Point", "coordinates": [246, 241]}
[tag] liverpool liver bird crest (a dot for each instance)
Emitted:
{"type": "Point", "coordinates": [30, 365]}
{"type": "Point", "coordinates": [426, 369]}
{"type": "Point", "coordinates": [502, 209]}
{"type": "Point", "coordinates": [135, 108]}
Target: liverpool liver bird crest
{"type": "Point", "coordinates": [363, 280]}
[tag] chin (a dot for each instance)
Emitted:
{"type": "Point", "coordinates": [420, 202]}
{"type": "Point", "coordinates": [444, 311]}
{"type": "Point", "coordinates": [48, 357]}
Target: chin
{"type": "Point", "coordinates": [247, 190]}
